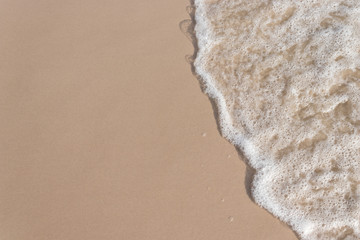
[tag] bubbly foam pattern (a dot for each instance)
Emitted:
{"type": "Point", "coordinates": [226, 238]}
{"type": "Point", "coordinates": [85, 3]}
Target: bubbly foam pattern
{"type": "Point", "coordinates": [286, 78]}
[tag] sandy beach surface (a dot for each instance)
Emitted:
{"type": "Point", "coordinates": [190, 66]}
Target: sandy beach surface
{"type": "Point", "coordinates": [105, 133]}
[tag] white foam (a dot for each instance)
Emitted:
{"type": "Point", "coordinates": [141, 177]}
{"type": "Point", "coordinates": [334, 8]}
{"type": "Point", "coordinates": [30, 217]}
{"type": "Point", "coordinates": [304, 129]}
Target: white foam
{"type": "Point", "coordinates": [285, 75]}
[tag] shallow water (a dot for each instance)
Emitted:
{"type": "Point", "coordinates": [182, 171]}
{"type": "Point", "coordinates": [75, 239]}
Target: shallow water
{"type": "Point", "coordinates": [285, 76]}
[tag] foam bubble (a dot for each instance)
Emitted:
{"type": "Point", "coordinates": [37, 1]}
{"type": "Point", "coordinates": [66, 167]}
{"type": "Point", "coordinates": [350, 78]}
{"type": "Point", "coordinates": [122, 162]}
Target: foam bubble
{"type": "Point", "coordinates": [285, 75]}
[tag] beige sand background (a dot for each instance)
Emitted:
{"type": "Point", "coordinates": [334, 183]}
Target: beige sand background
{"type": "Point", "coordinates": [102, 126]}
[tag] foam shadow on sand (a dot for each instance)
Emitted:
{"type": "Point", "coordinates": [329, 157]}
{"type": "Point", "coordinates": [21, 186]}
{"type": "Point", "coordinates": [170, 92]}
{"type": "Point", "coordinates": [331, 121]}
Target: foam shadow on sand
{"type": "Point", "coordinates": [187, 27]}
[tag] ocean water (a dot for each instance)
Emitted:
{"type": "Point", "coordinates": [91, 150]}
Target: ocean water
{"type": "Point", "coordinates": [285, 75]}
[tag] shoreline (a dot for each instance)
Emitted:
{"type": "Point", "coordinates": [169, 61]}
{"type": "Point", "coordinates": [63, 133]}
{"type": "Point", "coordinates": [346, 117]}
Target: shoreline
{"type": "Point", "coordinates": [108, 134]}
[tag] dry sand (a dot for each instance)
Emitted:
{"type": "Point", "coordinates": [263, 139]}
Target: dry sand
{"type": "Point", "coordinates": [103, 129]}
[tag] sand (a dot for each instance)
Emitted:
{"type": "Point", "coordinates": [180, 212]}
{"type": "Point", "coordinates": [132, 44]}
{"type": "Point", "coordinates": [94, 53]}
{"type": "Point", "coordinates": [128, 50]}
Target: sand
{"type": "Point", "coordinates": [105, 133]}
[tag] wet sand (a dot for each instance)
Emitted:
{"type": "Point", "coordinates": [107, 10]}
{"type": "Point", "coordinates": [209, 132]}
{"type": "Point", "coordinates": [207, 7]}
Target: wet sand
{"type": "Point", "coordinates": [105, 133]}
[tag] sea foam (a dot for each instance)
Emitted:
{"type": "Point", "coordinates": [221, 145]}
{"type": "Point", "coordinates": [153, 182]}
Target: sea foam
{"type": "Point", "coordinates": [285, 75]}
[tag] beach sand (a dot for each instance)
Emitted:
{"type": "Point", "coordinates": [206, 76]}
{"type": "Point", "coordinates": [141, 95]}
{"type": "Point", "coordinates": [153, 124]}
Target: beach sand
{"type": "Point", "coordinates": [105, 133]}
